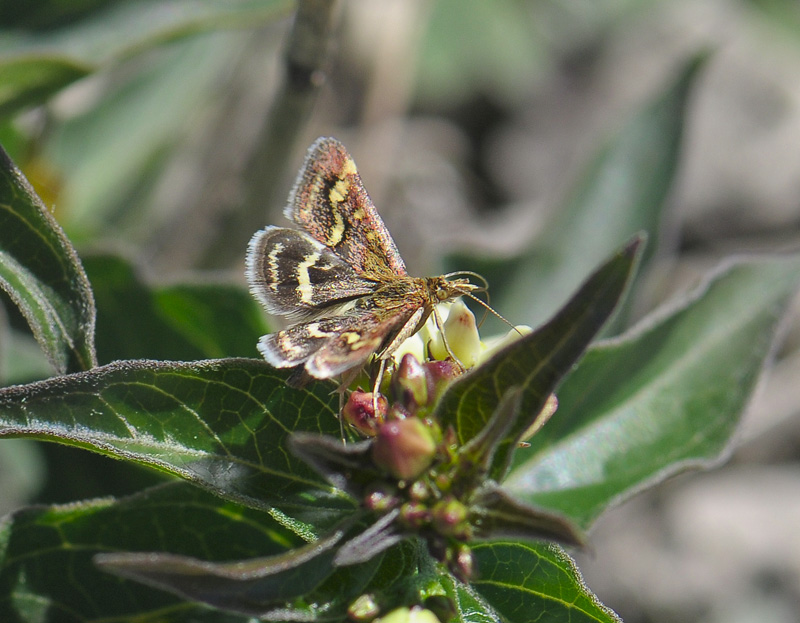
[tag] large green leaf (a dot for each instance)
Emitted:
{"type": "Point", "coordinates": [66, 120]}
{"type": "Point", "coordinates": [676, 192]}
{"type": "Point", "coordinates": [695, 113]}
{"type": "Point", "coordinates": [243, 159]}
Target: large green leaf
{"type": "Point", "coordinates": [531, 582]}
{"type": "Point", "coordinates": [623, 192]}
{"type": "Point", "coordinates": [41, 272]}
{"type": "Point", "coordinates": [223, 424]}
{"type": "Point", "coordinates": [184, 321]}
{"type": "Point", "coordinates": [537, 362]}
{"type": "Point", "coordinates": [46, 567]}
{"type": "Point", "coordinates": [38, 64]}
{"type": "Point", "coordinates": [665, 397]}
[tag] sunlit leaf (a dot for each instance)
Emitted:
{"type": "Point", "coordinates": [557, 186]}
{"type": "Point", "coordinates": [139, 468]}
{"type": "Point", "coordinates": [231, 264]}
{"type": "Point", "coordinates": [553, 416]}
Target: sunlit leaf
{"type": "Point", "coordinates": [535, 363]}
{"type": "Point", "coordinates": [41, 272]}
{"type": "Point", "coordinates": [665, 397]}
{"type": "Point", "coordinates": [47, 571]}
{"type": "Point", "coordinates": [222, 424]}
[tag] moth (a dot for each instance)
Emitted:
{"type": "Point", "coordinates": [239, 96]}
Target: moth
{"type": "Point", "coordinates": [339, 279]}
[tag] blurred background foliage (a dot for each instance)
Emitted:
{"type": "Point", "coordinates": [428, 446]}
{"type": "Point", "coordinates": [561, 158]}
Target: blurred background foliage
{"type": "Point", "coordinates": [158, 132]}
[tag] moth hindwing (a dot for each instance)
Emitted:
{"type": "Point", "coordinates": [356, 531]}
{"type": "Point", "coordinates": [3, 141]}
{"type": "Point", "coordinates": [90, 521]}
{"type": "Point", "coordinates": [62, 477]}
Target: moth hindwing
{"type": "Point", "coordinates": [340, 280]}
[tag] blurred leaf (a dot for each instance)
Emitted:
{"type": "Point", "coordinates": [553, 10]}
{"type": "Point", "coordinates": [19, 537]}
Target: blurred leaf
{"type": "Point", "coordinates": [21, 473]}
{"type": "Point", "coordinates": [518, 580]}
{"type": "Point", "coordinates": [45, 14]}
{"type": "Point", "coordinates": [624, 191]}
{"type": "Point", "coordinates": [32, 79]}
{"type": "Point", "coordinates": [112, 155]}
{"type": "Point", "coordinates": [41, 272]}
{"type": "Point", "coordinates": [179, 322]}
{"type": "Point", "coordinates": [46, 568]}
{"type": "Point", "coordinates": [23, 359]}
{"type": "Point", "coordinates": [665, 397]}
{"type": "Point", "coordinates": [222, 424]}
{"type": "Point", "coordinates": [784, 14]}
{"type": "Point", "coordinates": [536, 362]}
{"type": "Point", "coordinates": [37, 64]}
{"type": "Point", "coordinates": [220, 319]}
{"type": "Point", "coordinates": [472, 45]}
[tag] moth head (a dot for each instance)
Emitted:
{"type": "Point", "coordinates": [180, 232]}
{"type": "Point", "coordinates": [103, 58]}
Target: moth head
{"type": "Point", "coordinates": [453, 286]}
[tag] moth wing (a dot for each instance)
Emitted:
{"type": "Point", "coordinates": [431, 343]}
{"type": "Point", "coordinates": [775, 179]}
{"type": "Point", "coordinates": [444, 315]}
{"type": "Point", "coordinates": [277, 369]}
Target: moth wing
{"type": "Point", "coordinates": [293, 275]}
{"type": "Point", "coordinates": [332, 345]}
{"type": "Point", "coordinates": [352, 347]}
{"type": "Point", "coordinates": [329, 201]}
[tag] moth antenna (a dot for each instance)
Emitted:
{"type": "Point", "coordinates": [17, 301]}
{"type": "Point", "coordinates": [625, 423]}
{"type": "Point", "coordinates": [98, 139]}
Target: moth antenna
{"type": "Point", "coordinates": [483, 288]}
{"type": "Point", "coordinates": [478, 276]}
{"type": "Point", "coordinates": [491, 309]}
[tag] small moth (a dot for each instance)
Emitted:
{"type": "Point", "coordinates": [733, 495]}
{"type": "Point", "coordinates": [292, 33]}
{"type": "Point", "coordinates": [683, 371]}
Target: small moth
{"type": "Point", "coordinates": [340, 278]}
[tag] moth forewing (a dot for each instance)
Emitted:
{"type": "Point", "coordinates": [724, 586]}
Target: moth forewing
{"type": "Point", "coordinates": [294, 276]}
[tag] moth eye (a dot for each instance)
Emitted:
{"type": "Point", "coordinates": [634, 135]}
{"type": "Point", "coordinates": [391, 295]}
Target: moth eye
{"type": "Point", "coordinates": [442, 294]}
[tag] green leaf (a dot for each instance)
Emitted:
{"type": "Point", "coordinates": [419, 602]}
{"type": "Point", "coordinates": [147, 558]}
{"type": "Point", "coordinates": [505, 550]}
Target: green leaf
{"type": "Point", "coordinates": [665, 397]}
{"type": "Point", "coordinates": [498, 515]}
{"type": "Point", "coordinates": [536, 362]}
{"type": "Point", "coordinates": [35, 65]}
{"type": "Point", "coordinates": [252, 586]}
{"type": "Point", "coordinates": [220, 320]}
{"type": "Point", "coordinates": [525, 582]}
{"type": "Point", "coordinates": [223, 424]}
{"type": "Point", "coordinates": [181, 322]}
{"type": "Point", "coordinates": [46, 567]}
{"type": "Point", "coordinates": [30, 79]}
{"type": "Point", "coordinates": [472, 46]}
{"type": "Point", "coordinates": [41, 272]}
{"type": "Point", "coordinates": [623, 192]}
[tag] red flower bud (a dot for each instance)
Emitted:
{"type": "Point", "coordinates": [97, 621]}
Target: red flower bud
{"type": "Point", "coordinates": [404, 448]}
{"type": "Point", "coordinates": [359, 412]}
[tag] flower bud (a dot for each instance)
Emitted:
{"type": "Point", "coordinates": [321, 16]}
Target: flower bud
{"type": "Point", "coordinates": [410, 383]}
{"type": "Point", "coordinates": [462, 564]}
{"type": "Point", "coordinates": [415, 514]}
{"type": "Point", "coordinates": [419, 491]}
{"type": "Point", "coordinates": [364, 608]}
{"type": "Point", "coordinates": [498, 343]}
{"type": "Point", "coordinates": [404, 448]}
{"type": "Point", "coordinates": [359, 412]}
{"type": "Point", "coordinates": [545, 414]}
{"type": "Point", "coordinates": [462, 336]}
{"type": "Point", "coordinates": [381, 498]}
{"type": "Point", "coordinates": [440, 374]}
{"type": "Point", "coordinates": [409, 615]}
{"type": "Point", "coordinates": [449, 517]}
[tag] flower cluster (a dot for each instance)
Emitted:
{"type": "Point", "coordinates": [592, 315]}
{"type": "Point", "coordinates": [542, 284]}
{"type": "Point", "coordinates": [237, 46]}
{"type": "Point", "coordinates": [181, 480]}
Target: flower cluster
{"type": "Point", "coordinates": [413, 476]}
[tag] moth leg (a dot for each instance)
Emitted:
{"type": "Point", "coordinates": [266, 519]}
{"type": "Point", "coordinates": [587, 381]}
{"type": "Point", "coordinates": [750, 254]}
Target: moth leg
{"type": "Point", "coordinates": [440, 325]}
{"type": "Point", "coordinates": [377, 384]}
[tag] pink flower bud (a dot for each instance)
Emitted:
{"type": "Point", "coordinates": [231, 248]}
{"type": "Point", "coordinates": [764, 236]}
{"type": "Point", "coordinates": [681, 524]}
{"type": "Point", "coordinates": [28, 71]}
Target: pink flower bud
{"type": "Point", "coordinates": [440, 374]}
{"type": "Point", "coordinates": [449, 517]}
{"type": "Point", "coordinates": [410, 383]}
{"type": "Point", "coordinates": [404, 448]}
{"type": "Point", "coordinates": [359, 412]}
